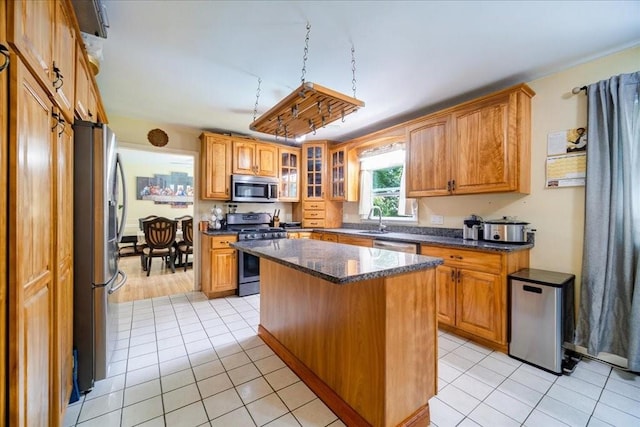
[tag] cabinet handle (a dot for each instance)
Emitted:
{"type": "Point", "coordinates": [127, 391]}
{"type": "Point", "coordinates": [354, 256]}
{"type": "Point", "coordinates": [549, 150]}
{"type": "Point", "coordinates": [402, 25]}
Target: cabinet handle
{"type": "Point", "coordinates": [453, 275]}
{"type": "Point", "coordinates": [458, 276]}
{"type": "Point", "coordinates": [58, 82]}
{"type": "Point", "coordinates": [453, 185]}
{"type": "Point", "coordinates": [4, 52]}
{"type": "Point", "coordinates": [449, 186]}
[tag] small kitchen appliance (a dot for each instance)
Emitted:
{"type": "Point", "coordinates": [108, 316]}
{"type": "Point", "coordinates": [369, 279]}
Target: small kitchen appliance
{"type": "Point", "coordinates": [255, 189]}
{"type": "Point", "coordinates": [252, 226]}
{"type": "Point", "coordinates": [507, 230]}
{"type": "Point", "coordinates": [472, 229]}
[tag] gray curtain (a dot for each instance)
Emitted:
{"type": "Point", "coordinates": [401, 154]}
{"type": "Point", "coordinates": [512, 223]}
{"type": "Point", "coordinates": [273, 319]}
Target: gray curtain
{"type": "Point", "coordinates": [609, 315]}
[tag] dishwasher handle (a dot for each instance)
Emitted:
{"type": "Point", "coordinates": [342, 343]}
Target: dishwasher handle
{"type": "Point", "coordinates": [411, 248]}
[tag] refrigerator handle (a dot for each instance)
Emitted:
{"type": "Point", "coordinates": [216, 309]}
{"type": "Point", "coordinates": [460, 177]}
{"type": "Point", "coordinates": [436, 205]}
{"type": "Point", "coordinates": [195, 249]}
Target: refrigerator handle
{"type": "Point", "coordinates": [120, 284]}
{"type": "Point", "coordinates": [124, 198]}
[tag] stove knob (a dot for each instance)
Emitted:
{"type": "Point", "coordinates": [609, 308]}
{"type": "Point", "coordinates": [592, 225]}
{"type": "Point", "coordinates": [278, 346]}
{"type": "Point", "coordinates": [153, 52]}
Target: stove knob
{"type": "Point", "coordinates": [251, 236]}
{"type": "Point", "coordinates": [265, 235]}
{"type": "Point", "coordinates": [496, 236]}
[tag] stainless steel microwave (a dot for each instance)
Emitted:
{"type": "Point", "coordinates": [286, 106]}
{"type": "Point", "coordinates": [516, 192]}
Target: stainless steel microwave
{"type": "Point", "coordinates": [256, 189]}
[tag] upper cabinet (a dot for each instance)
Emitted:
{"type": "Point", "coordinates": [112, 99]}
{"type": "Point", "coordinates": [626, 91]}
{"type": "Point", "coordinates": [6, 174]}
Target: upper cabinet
{"type": "Point", "coordinates": [86, 102]}
{"type": "Point", "coordinates": [289, 158]}
{"type": "Point", "coordinates": [314, 154]}
{"type": "Point", "coordinates": [30, 31]}
{"type": "Point", "coordinates": [64, 60]}
{"type": "Point", "coordinates": [344, 169]}
{"type": "Point", "coordinates": [215, 155]}
{"type": "Point", "coordinates": [255, 158]}
{"type": "Point", "coordinates": [481, 146]}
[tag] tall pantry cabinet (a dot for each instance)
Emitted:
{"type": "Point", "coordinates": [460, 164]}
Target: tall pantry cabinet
{"type": "Point", "coordinates": [37, 99]}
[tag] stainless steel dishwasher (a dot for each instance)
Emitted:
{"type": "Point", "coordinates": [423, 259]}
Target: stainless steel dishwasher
{"type": "Point", "coordinates": [541, 317]}
{"type": "Point", "coordinates": [411, 248]}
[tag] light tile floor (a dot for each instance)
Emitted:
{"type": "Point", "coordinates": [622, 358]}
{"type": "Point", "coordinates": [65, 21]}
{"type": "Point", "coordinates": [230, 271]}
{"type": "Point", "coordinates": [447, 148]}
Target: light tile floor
{"type": "Point", "coordinates": [188, 361]}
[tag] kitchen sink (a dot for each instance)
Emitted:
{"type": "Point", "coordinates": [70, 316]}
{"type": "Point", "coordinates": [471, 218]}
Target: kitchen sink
{"type": "Point", "coordinates": [373, 231]}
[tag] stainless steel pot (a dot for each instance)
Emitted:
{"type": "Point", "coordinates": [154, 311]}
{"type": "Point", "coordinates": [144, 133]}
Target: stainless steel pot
{"type": "Point", "coordinates": [507, 229]}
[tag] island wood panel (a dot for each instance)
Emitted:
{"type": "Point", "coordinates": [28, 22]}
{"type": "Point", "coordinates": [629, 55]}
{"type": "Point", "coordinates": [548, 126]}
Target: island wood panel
{"type": "Point", "coordinates": [4, 147]}
{"type": "Point", "coordinates": [372, 342]}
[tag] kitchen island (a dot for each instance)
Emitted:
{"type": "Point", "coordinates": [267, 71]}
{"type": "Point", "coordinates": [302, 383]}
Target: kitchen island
{"type": "Point", "coordinates": [358, 325]}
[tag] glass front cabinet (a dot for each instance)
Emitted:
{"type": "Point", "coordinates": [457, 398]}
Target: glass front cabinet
{"type": "Point", "coordinates": [289, 174]}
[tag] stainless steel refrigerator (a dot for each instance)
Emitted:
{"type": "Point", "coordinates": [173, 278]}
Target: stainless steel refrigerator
{"type": "Point", "coordinates": [99, 221]}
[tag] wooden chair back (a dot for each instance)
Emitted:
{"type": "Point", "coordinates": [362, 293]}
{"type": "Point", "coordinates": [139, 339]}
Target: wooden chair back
{"type": "Point", "coordinates": [146, 218]}
{"type": "Point", "coordinates": [160, 232]}
{"type": "Point", "coordinates": [187, 231]}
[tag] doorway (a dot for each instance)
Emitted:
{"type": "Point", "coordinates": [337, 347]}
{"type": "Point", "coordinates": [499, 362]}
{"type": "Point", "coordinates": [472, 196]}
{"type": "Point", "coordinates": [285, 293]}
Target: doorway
{"type": "Point", "coordinates": [160, 184]}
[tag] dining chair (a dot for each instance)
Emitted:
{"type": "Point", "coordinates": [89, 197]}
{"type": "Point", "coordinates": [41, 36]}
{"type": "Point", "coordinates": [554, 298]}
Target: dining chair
{"type": "Point", "coordinates": [185, 247]}
{"type": "Point", "coordinates": [144, 245]}
{"type": "Point", "coordinates": [160, 236]}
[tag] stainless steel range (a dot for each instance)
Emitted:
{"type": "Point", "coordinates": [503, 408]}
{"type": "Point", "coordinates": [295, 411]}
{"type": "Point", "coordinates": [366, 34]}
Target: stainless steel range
{"type": "Point", "coordinates": [251, 226]}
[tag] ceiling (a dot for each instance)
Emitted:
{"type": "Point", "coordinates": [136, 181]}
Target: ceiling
{"type": "Point", "coordinates": [197, 63]}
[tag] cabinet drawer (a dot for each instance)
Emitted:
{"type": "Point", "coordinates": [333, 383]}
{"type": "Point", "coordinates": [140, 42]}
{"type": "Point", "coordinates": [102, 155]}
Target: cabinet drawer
{"type": "Point", "coordinates": [313, 223]}
{"type": "Point", "coordinates": [218, 242]}
{"type": "Point", "coordinates": [313, 206]}
{"type": "Point", "coordinates": [314, 214]}
{"type": "Point", "coordinates": [460, 258]}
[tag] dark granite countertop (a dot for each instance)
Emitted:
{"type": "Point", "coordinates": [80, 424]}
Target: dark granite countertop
{"type": "Point", "coordinates": [452, 242]}
{"type": "Point", "coordinates": [335, 262]}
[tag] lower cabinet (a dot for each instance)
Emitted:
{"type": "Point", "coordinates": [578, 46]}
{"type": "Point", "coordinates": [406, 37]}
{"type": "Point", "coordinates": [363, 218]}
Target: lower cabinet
{"type": "Point", "coordinates": [355, 240]}
{"type": "Point", "coordinates": [218, 266]}
{"type": "Point", "coordinates": [328, 237]}
{"type": "Point", "coordinates": [299, 235]}
{"type": "Point", "coordinates": [471, 291]}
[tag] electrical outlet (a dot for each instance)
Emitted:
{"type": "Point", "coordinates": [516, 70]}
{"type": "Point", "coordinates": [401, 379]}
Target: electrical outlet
{"type": "Point", "coordinates": [437, 219]}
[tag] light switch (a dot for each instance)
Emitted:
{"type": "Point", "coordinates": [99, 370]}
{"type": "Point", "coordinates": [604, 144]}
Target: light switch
{"type": "Point", "coordinates": [437, 219]}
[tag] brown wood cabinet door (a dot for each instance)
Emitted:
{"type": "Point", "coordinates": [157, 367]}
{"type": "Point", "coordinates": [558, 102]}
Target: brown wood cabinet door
{"type": "Point", "coordinates": [224, 269]}
{"type": "Point", "coordinates": [446, 294]}
{"type": "Point", "coordinates": [266, 160]}
{"type": "Point", "coordinates": [4, 147]}
{"type": "Point", "coordinates": [82, 86]}
{"type": "Point", "coordinates": [338, 169]}
{"type": "Point", "coordinates": [63, 291]}
{"type": "Point", "coordinates": [244, 154]}
{"type": "Point", "coordinates": [215, 155]}
{"type": "Point", "coordinates": [486, 147]}
{"type": "Point", "coordinates": [30, 31]}
{"type": "Point", "coordinates": [356, 241]}
{"type": "Point", "coordinates": [428, 158]}
{"type": "Point", "coordinates": [64, 60]}
{"type": "Point", "coordinates": [289, 174]}
{"type": "Point", "coordinates": [31, 240]}
{"type": "Point", "coordinates": [480, 304]}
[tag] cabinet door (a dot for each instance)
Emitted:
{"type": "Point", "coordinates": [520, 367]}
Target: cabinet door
{"type": "Point", "coordinates": [64, 60]}
{"type": "Point", "coordinates": [485, 157]}
{"type": "Point", "coordinates": [314, 157]}
{"type": "Point", "coordinates": [224, 270]}
{"type": "Point", "coordinates": [480, 304]}
{"type": "Point", "coordinates": [428, 157]}
{"type": "Point", "coordinates": [82, 86]}
{"type": "Point", "coordinates": [244, 154]}
{"type": "Point", "coordinates": [63, 291]}
{"type": "Point", "coordinates": [338, 170]}
{"type": "Point", "coordinates": [289, 174]}
{"type": "Point", "coordinates": [30, 31]}
{"type": "Point", "coordinates": [356, 241]}
{"type": "Point", "coordinates": [215, 155]}
{"type": "Point", "coordinates": [30, 245]}
{"type": "Point", "coordinates": [446, 294]}
{"type": "Point", "coordinates": [4, 147]}
{"type": "Point", "coordinates": [266, 160]}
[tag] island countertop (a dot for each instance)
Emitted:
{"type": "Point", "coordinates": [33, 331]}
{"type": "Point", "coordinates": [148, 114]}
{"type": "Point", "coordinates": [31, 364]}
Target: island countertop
{"type": "Point", "coordinates": [335, 262]}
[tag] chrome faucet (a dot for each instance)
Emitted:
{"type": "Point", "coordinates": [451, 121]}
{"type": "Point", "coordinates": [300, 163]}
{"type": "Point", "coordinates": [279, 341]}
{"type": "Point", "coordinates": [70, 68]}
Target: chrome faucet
{"type": "Point", "coordinates": [372, 211]}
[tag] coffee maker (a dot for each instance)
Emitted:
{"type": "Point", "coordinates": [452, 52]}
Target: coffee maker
{"type": "Point", "coordinates": [472, 229]}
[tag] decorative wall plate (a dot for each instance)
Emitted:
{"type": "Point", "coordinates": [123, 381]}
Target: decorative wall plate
{"type": "Point", "coordinates": [158, 137]}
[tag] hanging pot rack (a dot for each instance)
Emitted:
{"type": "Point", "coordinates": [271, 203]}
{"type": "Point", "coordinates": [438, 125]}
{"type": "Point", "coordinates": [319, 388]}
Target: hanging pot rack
{"type": "Point", "coordinates": [308, 108]}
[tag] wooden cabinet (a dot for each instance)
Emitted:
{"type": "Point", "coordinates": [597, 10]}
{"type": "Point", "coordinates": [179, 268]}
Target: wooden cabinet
{"type": "Point", "coordinates": [215, 167]}
{"type": "Point", "coordinates": [481, 146]}
{"type": "Point", "coordinates": [218, 266]}
{"type": "Point", "coordinates": [289, 167]}
{"type": "Point", "coordinates": [30, 26]}
{"type": "Point", "coordinates": [31, 243]}
{"type": "Point", "coordinates": [86, 103]}
{"type": "Point", "coordinates": [64, 60]}
{"type": "Point", "coordinates": [327, 237]}
{"type": "Point", "coordinates": [355, 240]}
{"type": "Point", "coordinates": [299, 235]}
{"type": "Point", "coordinates": [344, 169]}
{"type": "Point", "coordinates": [4, 147]}
{"type": "Point", "coordinates": [471, 289]}
{"type": "Point", "coordinates": [315, 210]}
{"type": "Point", "coordinates": [63, 291]}
{"type": "Point", "coordinates": [254, 158]}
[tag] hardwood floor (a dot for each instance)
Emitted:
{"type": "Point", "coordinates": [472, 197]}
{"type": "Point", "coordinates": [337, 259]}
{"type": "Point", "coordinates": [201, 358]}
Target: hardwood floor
{"type": "Point", "coordinates": [159, 283]}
